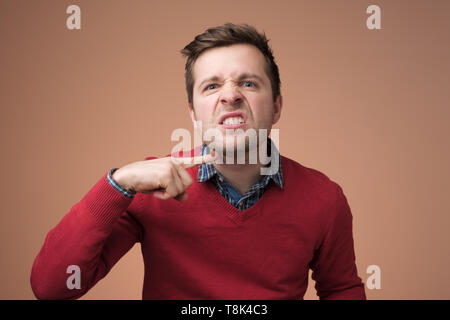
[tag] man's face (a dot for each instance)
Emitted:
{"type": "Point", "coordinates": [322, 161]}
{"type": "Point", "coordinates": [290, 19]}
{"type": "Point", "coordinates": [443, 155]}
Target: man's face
{"type": "Point", "coordinates": [232, 91]}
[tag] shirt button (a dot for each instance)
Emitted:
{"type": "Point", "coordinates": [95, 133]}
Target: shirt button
{"type": "Point", "coordinates": [220, 179]}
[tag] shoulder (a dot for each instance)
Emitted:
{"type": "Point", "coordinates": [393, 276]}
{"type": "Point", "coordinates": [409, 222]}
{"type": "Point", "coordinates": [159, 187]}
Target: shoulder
{"type": "Point", "coordinates": [297, 172]}
{"type": "Point", "coordinates": [315, 192]}
{"type": "Point", "coordinates": [315, 184]}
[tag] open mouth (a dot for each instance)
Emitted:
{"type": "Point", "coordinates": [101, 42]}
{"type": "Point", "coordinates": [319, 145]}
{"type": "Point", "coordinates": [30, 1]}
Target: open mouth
{"type": "Point", "coordinates": [233, 119]}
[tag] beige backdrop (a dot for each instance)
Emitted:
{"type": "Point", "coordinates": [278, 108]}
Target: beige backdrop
{"type": "Point", "coordinates": [369, 108]}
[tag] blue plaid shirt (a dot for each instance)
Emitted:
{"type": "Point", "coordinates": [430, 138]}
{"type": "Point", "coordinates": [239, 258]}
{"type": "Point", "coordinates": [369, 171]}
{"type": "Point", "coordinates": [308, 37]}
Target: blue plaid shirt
{"type": "Point", "coordinates": [207, 172]}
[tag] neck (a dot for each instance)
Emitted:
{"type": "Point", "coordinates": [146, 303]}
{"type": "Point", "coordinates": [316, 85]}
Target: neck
{"type": "Point", "coordinates": [241, 176]}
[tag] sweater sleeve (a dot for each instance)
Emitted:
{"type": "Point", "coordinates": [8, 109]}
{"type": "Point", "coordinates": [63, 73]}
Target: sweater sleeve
{"type": "Point", "coordinates": [90, 239]}
{"type": "Point", "coordinates": [333, 266]}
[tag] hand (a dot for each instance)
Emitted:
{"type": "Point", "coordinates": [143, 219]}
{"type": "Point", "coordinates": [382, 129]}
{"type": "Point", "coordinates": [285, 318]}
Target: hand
{"type": "Point", "coordinates": [165, 178]}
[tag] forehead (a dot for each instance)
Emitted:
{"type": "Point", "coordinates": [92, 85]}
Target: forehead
{"type": "Point", "coordinates": [229, 61]}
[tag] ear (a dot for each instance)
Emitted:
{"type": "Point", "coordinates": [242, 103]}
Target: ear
{"type": "Point", "coordinates": [191, 112]}
{"type": "Point", "coordinates": [277, 106]}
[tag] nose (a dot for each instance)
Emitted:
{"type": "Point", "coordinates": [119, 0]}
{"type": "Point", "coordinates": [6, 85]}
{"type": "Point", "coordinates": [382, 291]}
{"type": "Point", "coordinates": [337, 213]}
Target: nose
{"type": "Point", "coordinates": [230, 94]}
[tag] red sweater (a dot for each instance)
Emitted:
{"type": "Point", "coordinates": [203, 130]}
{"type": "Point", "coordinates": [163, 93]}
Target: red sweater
{"type": "Point", "coordinates": [207, 249]}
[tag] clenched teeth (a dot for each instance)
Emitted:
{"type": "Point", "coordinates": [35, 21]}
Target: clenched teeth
{"type": "Point", "coordinates": [233, 120]}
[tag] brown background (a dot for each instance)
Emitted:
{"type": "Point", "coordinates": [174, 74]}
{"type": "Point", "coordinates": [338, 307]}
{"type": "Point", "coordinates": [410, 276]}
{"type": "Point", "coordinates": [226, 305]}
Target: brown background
{"type": "Point", "coordinates": [369, 108]}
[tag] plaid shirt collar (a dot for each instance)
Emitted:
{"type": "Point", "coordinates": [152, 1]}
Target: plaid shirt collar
{"type": "Point", "coordinates": [207, 171]}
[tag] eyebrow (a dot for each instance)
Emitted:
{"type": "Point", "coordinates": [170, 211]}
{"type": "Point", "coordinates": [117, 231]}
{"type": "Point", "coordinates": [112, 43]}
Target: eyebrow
{"type": "Point", "coordinates": [241, 77]}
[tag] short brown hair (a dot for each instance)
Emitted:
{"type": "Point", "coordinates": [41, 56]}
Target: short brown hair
{"type": "Point", "coordinates": [226, 35]}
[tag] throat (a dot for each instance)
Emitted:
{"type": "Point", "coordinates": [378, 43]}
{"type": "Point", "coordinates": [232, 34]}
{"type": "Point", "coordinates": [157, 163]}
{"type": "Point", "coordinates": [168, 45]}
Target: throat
{"type": "Point", "coordinates": [241, 176]}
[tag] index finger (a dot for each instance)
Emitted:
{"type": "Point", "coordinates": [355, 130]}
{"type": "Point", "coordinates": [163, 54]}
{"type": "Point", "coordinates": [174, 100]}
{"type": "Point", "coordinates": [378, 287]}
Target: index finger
{"type": "Point", "coordinates": [195, 161]}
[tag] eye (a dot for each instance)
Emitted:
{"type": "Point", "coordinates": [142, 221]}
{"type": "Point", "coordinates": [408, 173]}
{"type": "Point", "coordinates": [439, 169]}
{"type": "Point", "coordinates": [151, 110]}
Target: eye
{"type": "Point", "coordinates": [211, 86]}
{"type": "Point", "coordinates": [249, 84]}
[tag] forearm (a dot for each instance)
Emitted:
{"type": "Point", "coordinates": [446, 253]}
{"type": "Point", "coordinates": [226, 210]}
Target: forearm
{"type": "Point", "coordinates": [79, 239]}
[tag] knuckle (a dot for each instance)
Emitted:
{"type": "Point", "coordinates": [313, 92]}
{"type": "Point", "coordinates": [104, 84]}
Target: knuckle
{"type": "Point", "coordinates": [170, 165]}
{"type": "Point", "coordinates": [189, 181]}
{"type": "Point", "coordinates": [175, 161]}
{"type": "Point", "coordinates": [180, 188]}
{"type": "Point", "coordinates": [167, 175]}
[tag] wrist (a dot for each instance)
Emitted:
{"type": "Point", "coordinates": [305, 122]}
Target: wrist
{"type": "Point", "coordinates": [117, 179]}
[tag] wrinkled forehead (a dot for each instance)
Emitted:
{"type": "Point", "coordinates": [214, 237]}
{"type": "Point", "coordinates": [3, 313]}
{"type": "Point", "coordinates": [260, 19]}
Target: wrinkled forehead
{"type": "Point", "coordinates": [229, 63]}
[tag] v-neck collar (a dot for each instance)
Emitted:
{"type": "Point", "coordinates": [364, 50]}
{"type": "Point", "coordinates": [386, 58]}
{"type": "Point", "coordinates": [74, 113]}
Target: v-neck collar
{"type": "Point", "coordinates": [244, 201]}
{"type": "Point", "coordinates": [207, 170]}
{"type": "Point", "coordinates": [233, 213]}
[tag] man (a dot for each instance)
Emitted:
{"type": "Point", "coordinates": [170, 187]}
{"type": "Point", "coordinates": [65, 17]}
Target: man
{"type": "Point", "coordinates": [213, 229]}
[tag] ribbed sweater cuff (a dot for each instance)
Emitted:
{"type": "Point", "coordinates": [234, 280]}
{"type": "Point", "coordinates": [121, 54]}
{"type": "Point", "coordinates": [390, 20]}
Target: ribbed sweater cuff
{"type": "Point", "coordinates": [104, 202]}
